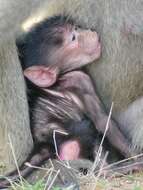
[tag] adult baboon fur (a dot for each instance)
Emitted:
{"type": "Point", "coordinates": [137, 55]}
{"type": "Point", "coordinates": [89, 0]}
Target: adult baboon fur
{"type": "Point", "coordinates": [14, 118]}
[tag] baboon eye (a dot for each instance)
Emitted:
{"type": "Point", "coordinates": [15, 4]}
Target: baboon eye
{"type": "Point", "coordinates": [73, 37]}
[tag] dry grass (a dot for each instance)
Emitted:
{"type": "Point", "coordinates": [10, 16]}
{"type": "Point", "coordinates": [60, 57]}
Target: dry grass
{"type": "Point", "coordinates": [90, 181]}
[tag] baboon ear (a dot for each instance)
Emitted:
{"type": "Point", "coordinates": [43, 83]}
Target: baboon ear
{"type": "Point", "coordinates": [41, 76]}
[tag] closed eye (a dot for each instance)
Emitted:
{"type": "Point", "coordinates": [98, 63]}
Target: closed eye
{"type": "Point", "coordinates": [73, 37]}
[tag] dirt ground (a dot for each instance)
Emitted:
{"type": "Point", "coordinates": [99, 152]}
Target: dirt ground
{"type": "Point", "coordinates": [129, 182]}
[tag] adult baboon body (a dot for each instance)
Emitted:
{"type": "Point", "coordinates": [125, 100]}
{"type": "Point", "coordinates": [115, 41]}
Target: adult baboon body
{"type": "Point", "coordinates": [14, 119]}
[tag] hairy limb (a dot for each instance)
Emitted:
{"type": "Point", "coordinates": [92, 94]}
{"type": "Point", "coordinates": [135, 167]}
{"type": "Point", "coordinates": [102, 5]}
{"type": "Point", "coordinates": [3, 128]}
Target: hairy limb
{"type": "Point", "coordinates": [14, 119]}
{"type": "Point", "coordinates": [131, 121]}
{"type": "Point", "coordinates": [94, 109]}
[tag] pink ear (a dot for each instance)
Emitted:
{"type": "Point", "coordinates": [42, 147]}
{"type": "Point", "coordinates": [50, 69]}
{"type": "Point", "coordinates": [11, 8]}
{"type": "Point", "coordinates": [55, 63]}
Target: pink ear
{"type": "Point", "coordinates": [41, 76]}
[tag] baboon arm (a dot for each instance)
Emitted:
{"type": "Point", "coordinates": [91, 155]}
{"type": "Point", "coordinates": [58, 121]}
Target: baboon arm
{"type": "Point", "coordinates": [95, 110]}
{"type": "Point", "coordinates": [100, 118]}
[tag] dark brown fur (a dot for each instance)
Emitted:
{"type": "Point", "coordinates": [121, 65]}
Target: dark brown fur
{"type": "Point", "coordinates": [35, 46]}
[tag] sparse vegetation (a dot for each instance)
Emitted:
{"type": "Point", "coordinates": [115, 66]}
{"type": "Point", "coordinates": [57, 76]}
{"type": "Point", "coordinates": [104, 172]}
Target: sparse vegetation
{"type": "Point", "coordinates": [86, 182]}
{"type": "Point", "coordinates": [129, 182]}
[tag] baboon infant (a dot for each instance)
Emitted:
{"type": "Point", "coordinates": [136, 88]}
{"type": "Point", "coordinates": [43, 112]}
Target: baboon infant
{"type": "Point", "coordinates": [62, 97]}
{"type": "Point", "coordinates": [51, 53]}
